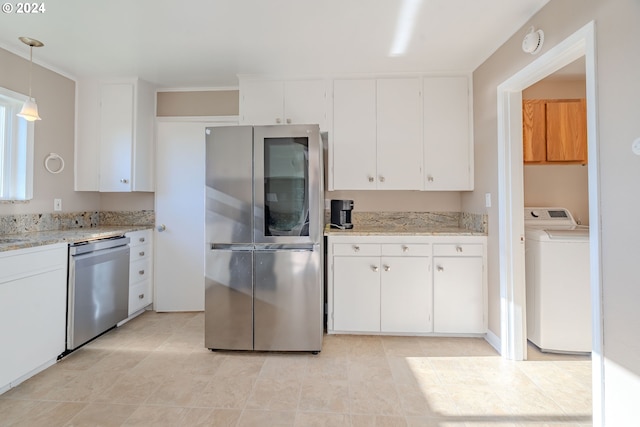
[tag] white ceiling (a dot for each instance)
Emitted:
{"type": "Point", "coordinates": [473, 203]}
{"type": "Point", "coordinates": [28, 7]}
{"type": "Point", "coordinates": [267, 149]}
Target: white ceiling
{"type": "Point", "coordinates": [206, 43]}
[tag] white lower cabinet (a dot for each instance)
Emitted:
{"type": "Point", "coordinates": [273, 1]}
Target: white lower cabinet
{"type": "Point", "coordinates": [140, 270]}
{"type": "Point", "coordinates": [410, 285]}
{"type": "Point", "coordinates": [33, 302]}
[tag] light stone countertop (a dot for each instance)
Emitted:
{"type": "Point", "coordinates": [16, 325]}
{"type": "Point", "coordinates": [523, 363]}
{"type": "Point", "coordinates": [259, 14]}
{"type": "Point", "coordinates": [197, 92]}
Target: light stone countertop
{"type": "Point", "coordinates": [402, 230]}
{"type": "Point", "coordinates": [71, 235]}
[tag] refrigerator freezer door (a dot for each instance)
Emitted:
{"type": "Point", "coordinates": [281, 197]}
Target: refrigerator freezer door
{"type": "Point", "coordinates": [229, 300]}
{"type": "Point", "coordinates": [288, 300]}
{"type": "Point", "coordinates": [229, 184]}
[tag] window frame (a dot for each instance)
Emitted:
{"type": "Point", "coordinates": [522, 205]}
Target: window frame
{"type": "Point", "coordinates": [16, 149]}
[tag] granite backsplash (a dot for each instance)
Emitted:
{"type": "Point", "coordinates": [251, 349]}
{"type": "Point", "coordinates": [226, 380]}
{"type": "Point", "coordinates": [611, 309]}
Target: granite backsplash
{"type": "Point", "coordinates": [13, 224]}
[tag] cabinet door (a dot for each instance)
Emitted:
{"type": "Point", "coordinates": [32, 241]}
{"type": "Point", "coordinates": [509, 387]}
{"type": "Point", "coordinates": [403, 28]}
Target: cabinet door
{"type": "Point", "coordinates": [567, 131]}
{"type": "Point", "coordinates": [116, 137]}
{"type": "Point", "coordinates": [262, 102]}
{"type": "Point", "coordinates": [406, 295]}
{"type": "Point", "coordinates": [399, 134]}
{"type": "Point", "coordinates": [448, 149]}
{"type": "Point", "coordinates": [534, 130]}
{"type": "Point", "coordinates": [458, 297]}
{"type": "Point", "coordinates": [353, 156]}
{"type": "Point", "coordinates": [305, 102]}
{"type": "Point", "coordinates": [356, 294]}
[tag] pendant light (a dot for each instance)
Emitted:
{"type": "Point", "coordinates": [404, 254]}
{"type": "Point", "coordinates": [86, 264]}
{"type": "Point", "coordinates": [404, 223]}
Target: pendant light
{"type": "Point", "coordinates": [29, 110]}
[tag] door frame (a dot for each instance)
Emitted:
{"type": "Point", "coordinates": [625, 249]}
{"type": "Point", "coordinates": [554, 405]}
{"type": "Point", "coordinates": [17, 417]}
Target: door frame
{"type": "Point", "coordinates": [511, 201]}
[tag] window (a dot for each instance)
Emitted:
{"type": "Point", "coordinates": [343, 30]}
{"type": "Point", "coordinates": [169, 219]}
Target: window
{"type": "Point", "coordinates": [16, 149]}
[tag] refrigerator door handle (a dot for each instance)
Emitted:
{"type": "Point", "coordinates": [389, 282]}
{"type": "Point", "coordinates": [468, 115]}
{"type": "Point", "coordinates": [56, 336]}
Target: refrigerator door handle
{"type": "Point", "coordinates": [230, 247]}
{"type": "Point", "coordinates": [300, 247]}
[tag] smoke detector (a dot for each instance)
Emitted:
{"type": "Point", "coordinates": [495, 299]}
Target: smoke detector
{"type": "Point", "coordinates": [532, 42]}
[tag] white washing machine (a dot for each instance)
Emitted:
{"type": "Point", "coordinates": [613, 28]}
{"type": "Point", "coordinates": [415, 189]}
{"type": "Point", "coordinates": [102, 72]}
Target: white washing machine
{"type": "Point", "coordinates": [557, 281]}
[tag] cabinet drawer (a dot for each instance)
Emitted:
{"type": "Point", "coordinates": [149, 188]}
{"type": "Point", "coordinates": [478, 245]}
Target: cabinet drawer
{"type": "Point", "coordinates": [139, 297]}
{"type": "Point", "coordinates": [358, 249]}
{"type": "Point", "coordinates": [140, 252]}
{"type": "Point", "coordinates": [140, 237]}
{"type": "Point", "coordinates": [29, 262]}
{"type": "Point", "coordinates": [406, 249]}
{"type": "Point", "coordinates": [457, 249]}
{"type": "Point", "coordinates": [139, 270]}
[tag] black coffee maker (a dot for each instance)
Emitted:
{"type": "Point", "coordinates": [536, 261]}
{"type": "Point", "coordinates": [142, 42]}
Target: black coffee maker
{"type": "Point", "coordinates": [341, 214]}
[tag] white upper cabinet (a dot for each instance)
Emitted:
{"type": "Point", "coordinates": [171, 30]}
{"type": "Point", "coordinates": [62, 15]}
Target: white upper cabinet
{"type": "Point", "coordinates": [271, 102]}
{"type": "Point", "coordinates": [377, 134]}
{"type": "Point", "coordinates": [114, 143]}
{"type": "Point", "coordinates": [448, 142]}
{"type": "Point", "coordinates": [399, 134]}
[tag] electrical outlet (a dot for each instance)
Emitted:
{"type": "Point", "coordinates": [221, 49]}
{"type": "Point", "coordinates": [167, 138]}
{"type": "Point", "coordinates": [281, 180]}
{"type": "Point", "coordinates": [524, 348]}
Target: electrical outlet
{"type": "Point", "coordinates": [327, 204]}
{"type": "Point", "coordinates": [57, 204]}
{"type": "Point", "coordinates": [487, 200]}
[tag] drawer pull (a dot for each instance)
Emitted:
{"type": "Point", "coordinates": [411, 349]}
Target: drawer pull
{"type": "Point", "coordinates": [356, 248]}
{"type": "Point", "coordinates": [141, 272]}
{"type": "Point", "coordinates": [141, 253]}
{"type": "Point", "coordinates": [440, 268]}
{"type": "Point", "coordinates": [141, 296]}
{"type": "Point", "coordinates": [374, 268]}
{"type": "Point", "coordinates": [141, 239]}
{"type": "Point", "coordinates": [405, 248]}
{"type": "Point", "coordinates": [458, 248]}
{"type": "Point", "coordinates": [387, 268]}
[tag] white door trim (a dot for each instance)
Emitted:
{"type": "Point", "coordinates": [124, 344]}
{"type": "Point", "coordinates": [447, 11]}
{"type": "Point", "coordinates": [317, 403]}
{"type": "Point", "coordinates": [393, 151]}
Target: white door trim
{"type": "Point", "coordinates": [511, 201]}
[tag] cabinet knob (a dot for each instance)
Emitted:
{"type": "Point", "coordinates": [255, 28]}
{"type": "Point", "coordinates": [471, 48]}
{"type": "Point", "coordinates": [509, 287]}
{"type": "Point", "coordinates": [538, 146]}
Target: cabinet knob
{"type": "Point", "coordinates": [288, 121]}
{"type": "Point", "coordinates": [381, 178]}
{"type": "Point", "coordinates": [124, 181]}
{"type": "Point", "coordinates": [356, 248]}
{"type": "Point", "coordinates": [141, 272]}
{"type": "Point", "coordinates": [430, 178]}
{"type": "Point", "coordinates": [459, 249]}
{"type": "Point", "coordinates": [278, 120]}
{"type": "Point", "coordinates": [374, 268]}
{"type": "Point", "coordinates": [371, 179]}
{"type": "Point", "coordinates": [141, 239]}
{"type": "Point", "coordinates": [141, 253]}
{"type": "Point", "coordinates": [141, 296]}
{"type": "Point", "coordinates": [440, 268]}
{"type": "Point", "coordinates": [387, 268]}
{"type": "Point", "coordinates": [161, 228]}
{"type": "Point", "coordinates": [405, 248]}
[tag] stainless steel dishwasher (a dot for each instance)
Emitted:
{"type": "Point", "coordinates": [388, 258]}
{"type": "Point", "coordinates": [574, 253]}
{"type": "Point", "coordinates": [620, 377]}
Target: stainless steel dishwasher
{"type": "Point", "coordinates": [98, 289]}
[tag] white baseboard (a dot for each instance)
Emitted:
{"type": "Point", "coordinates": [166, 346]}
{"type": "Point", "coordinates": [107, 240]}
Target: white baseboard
{"type": "Point", "coordinates": [494, 341]}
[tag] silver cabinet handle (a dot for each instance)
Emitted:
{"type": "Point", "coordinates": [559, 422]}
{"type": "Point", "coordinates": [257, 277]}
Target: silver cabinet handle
{"type": "Point", "coordinates": [440, 268]}
{"type": "Point", "coordinates": [124, 181]}
{"type": "Point", "coordinates": [278, 120]}
{"type": "Point", "coordinates": [371, 179]}
{"type": "Point", "coordinates": [141, 296]}
{"type": "Point", "coordinates": [381, 178]}
{"type": "Point", "coordinates": [375, 268]}
{"type": "Point", "coordinates": [356, 248]}
{"type": "Point", "coordinates": [288, 121]}
{"type": "Point", "coordinates": [161, 228]}
{"type": "Point", "coordinates": [405, 248]}
{"type": "Point", "coordinates": [387, 268]}
{"type": "Point", "coordinates": [141, 272]}
{"type": "Point", "coordinates": [141, 253]}
{"type": "Point", "coordinates": [430, 178]}
{"type": "Point", "coordinates": [459, 249]}
{"type": "Point", "coordinates": [141, 239]}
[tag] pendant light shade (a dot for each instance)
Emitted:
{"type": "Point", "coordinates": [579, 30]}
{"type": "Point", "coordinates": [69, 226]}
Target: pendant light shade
{"type": "Point", "coordinates": [29, 110]}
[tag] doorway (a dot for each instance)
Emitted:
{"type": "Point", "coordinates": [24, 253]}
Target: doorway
{"type": "Point", "coordinates": [511, 199]}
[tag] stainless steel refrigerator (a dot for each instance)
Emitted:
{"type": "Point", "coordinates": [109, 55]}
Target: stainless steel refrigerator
{"type": "Point", "coordinates": [264, 224]}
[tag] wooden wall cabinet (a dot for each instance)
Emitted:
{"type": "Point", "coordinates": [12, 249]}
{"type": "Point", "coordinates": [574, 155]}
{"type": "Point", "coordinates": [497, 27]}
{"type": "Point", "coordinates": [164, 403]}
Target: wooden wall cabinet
{"type": "Point", "coordinates": [554, 131]}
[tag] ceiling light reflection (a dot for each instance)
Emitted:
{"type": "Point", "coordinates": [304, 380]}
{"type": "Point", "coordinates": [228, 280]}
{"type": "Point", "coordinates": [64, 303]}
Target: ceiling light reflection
{"type": "Point", "coordinates": [404, 26]}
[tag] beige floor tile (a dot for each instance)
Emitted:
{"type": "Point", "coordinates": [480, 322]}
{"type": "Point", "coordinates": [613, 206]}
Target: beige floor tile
{"type": "Point", "coordinates": [320, 419]}
{"type": "Point", "coordinates": [369, 368]}
{"type": "Point", "coordinates": [240, 365]}
{"type": "Point", "coordinates": [157, 416]}
{"type": "Point", "coordinates": [377, 421]}
{"type": "Point", "coordinates": [226, 392]}
{"type": "Point", "coordinates": [365, 346]}
{"type": "Point", "coordinates": [102, 414]}
{"type": "Point", "coordinates": [378, 398]}
{"type": "Point", "coordinates": [184, 391]}
{"type": "Point", "coordinates": [285, 366]}
{"type": "Point", "coordinates": [275, 394]}
{"type": "Point", "coordinates": [196, 417]}
{"type": "Point", "coordinates": [132, 388]}
{"type": "Point", "coordinates": [324, 396]}
{"type": "Point", "coordinates": [328, 368]}
{"type": "Point", "coordinates": [258, 418]}
{"type": "Point", "coordinates": [48, 414]}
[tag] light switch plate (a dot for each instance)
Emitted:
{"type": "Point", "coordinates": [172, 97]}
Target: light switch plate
{"type": "Point", "coordinates": [487, 200]}
{"type": "Point", "coordinates": [57, 204]}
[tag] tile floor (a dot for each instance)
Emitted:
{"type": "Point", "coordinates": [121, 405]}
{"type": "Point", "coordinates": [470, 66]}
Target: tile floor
{"type": "Point", "coordinates": [155, 371]}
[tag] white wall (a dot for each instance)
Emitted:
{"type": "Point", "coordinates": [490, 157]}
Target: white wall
{"type": "Point", "coordinates": [618, 110]}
